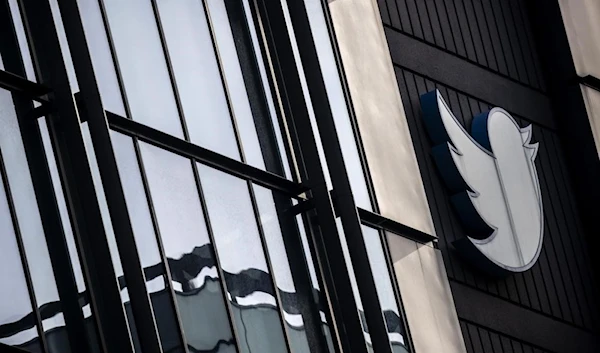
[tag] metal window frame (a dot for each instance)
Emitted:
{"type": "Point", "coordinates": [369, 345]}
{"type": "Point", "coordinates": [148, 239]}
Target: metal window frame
{"type": "Point", "coordinates": [68, 141]}
{"type": "Point", "coordinates": [24, 92]}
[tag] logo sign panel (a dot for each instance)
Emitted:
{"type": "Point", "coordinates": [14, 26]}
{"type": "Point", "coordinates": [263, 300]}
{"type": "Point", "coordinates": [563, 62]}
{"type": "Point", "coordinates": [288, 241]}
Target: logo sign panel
{"type": "Point", "coordinates": [496, 192]}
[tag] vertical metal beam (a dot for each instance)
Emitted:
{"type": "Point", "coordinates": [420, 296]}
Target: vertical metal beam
{"type": "Point", "coordinates": [35, 310]}
{"type": "Point", "coordinates": [72, 159]}
{"type": "Point", "coordinates": [345, 205]}
{"type": "Point", "coordinates": [347, 320]}
{"type": "Point", "coordinates": [46, 200]}
{"type": "Point", "coordinates": [107, 165]}
{"type": "Point", "coordinates": [289, 227]}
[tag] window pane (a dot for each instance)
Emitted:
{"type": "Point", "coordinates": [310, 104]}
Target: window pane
{"type": "Point", "coordinates": [337, 99]}
{"type": "Point", "coordinates": [145, 237]}
{"type": "Point", "coordinates": [354, 284]}
{"type": "Point", "coordinates": [142, 62]}
{"type": "Point", "coordinates": [307, 99]}
{"type": "Point", "coordinates": [110, 234]}
{"type": "Point", "coordinates": [17, 324]}
{"type": "Point", "coordinates": [104, 67]}
{"type": "Point", "coordinates": [246, 83]}
{"type": "Point", "coordinates": [69, 237]}
{"type": "Point", "coordinates": [197, 75]}
{"type": "Point", "coordinates": [22, 39]}
{"type": "Point", "coordinates": [385, 289]}
{"type": "Point", "coordinates": [322, 301]}
{"type": "Point", "coordinates": [188, 250]}
{"type": "Point", "coordinates": [242, 258]}
{"type": "Point", "coordinates": [27, 213]}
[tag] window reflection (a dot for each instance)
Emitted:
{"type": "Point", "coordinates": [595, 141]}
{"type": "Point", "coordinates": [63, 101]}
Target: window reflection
{"type": "Point", "coordinates": [188, 250]}
{"type": "Point", "coordinates": [146, 242]}
{"type": "Point", "coordinates": [237, 239]}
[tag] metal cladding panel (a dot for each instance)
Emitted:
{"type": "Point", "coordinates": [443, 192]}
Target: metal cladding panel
{"type": "Point", "coordinates": [481, 54]}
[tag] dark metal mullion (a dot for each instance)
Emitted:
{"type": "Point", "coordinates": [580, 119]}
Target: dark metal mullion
{"type": "Point", "coordinates": [318, 251]}
{"type": "Point", "coordinates": [243, 160]}
{"type": "Point", "coordinates": [223, 81]}
{"type": "Point", "coordinates": [255, 208]}
{"type": "Point", "coordinates": [346, 206]}
{"type": "Point", "coordinates": [292, 242]}
{"type": "Point", "coordinates": [88, 226]}
{"type": "Point", "coordinates": [283, 128]}
{"type": "Point", "coordinates": [125, 100]}
{"type": "Point", "coordinates": [113, 189]}
{"type": "Point", "coordinates": [211, 237]}
{"type": "Point", "coordinates": [67, 137]}
{"type": "Point", "coordinates": [195, 172]}
{"type": "Point", "coordinates": [138, 156]}
{"type": "Point", "coordinates": [161, 248]}
{"type": "Point", "coordinates": [46, 200]}
{"type": "Point", "coordinates": [23, 256]}
{"type": "Point", "coordinates": [347, 320]}
{"type": "Point", "coordinates": [269, 265]}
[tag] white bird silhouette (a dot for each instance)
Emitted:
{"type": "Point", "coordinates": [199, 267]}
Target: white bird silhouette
{"type": "Point", "coordinates": [498, 193]}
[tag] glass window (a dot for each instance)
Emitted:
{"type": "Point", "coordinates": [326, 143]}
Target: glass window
{"type": "Point", "coordinates": [142, 64]}
{"type": "Point", "coordinates": [337, 100]}
{"type": "Point", "coordinates": [198, 77]}
{"type": "Point", "coordinates": [17, 324]}
{"type": "Point", "coordinates": [241, 254]}
{"type": "Point", "coordinates": [196, 280]}
{"type": "Point", "coordinates": [26, 214]}
{"type": "Point", "coordinates": [385, 289]}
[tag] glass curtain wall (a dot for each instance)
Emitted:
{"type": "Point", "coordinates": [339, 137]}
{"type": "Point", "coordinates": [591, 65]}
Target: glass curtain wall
{"type": "Point", "coordinates": [213, 186]}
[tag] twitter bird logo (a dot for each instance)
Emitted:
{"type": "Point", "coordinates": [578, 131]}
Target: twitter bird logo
{"type": "Point", "coordinates": [496, 192]}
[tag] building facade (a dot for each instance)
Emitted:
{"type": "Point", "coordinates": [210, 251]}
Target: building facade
{"type": "Point", "coordinates": [299, 176]}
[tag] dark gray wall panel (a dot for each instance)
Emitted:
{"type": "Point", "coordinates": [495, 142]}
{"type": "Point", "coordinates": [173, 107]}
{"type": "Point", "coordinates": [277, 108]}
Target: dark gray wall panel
{"type": "Point", "coordinates": [494, 34]}
{"type": "Point", "coordinates": [560, 284]}
{"type": "Point", "coordinates": [535, 329]}
{"type": "Point", "coordinates": [481, 54]}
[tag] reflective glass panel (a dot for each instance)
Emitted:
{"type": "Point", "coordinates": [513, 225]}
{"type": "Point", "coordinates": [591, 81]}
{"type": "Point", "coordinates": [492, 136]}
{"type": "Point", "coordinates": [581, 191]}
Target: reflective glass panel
{"type": "Point", "coordinates": [146, 241]}
{"type": "Point", "coordinates": [100, 52]}
{"type": "Point", "coordinates": [142, 64]}
{"type": "Point", "coordinates": [385, 289]}
{"type": "Point", "coordinates": [189, 253]}
{"type": "Point", "coordinates": [17, 324]}
{"type": "Point", "coordinates": [197, 75]}
{"type": "Point", "coordinates": [28, 218]}
{"type": "Point", "coordinates": [238, 241]}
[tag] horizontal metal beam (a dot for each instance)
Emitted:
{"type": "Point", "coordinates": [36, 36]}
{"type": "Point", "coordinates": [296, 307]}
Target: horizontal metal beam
{"type": "Point", "coordinates": [590, 81]}
{"type": "Point", "coordinates": [15, 83]}
{"type": "Point", "coordinates": [205, 156]}
{"type": "Point", "coordinates": [378, 221]}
